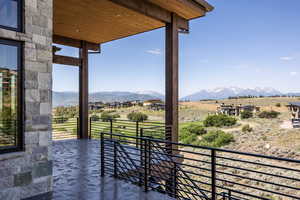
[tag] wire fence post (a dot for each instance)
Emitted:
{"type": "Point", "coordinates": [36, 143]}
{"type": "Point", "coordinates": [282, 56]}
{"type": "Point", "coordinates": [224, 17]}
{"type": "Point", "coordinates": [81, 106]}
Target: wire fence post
{"type": "Point", "coordinates": [102, 154]}
{"type": "Point", "coordinates": [213, 174]}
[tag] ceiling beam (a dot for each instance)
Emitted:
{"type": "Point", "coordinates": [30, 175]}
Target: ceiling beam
{"type": "Point", "coordinates": [66, 60]}
{"type": "Point", "coordinates": [151, 10]}
{"type": "Point", "coordinates": [74, 43]}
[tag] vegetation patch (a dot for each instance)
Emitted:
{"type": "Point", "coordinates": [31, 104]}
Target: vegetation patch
{"type": "Point", "coordinates": [268, 114]}
{"type": "Point", "coordinates": [246, 114]}
{"type": "Point", "coordinates": [137, 117]}
{"type": "Point", "coordinates": [190, 134]}
{"type": "Point", "coordinates": [247, 128]}
{"type": "Point", "coordinates": [106, 116]}
{"type": "Point", "coordinates": [216, 138]}
{"type": "Point", "coordinates": [219, 121]}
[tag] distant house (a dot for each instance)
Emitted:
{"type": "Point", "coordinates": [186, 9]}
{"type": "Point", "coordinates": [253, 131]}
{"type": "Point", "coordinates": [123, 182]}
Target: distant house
{"type": "Point", "coordinates": [152, 101]}
{"type": "Point", "coordinates": [155, 104]}
{"type": "Point", "coordinates": [294, 108]}
{"type": "Point", "coordinates": [232, 110]}
{"type": "Point", "coordinates": [96, 105]}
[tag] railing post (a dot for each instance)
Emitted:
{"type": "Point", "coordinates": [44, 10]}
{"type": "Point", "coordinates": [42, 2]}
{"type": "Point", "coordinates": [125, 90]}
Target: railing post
{"type": "Point", "coordinates": [111, 128]}
{"type": "Point", "coordinates": [174, 176]}
{"type": "Point", "coordinates": [213, 175]}
{"type": "Point", "coordinates": [77, 124]}
{"type": "Point", "coordinates": [137, 134]}
{"type": "Point", "coordinates": [146, 165]}
{"type": "Point", "coordinates": [102, 154]}
{"type": "Point", "coordinates": [90, 129]}
{"type": "Point", "coordinates": [115, 160]}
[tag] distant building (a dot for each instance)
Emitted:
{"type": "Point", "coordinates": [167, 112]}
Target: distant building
{"type": "Point", "coordinates": [96, 105]}
{"type": "Point", "coordinates": [232, 110]}
{"type": "Point", "coordinates": [155, 104]}
{"type": "Point", "coordinates": [294, 108]}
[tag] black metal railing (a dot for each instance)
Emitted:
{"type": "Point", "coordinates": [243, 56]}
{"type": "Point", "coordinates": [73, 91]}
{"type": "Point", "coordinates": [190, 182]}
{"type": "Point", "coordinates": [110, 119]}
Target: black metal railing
{"type": "Point", "coordinates": [194, 172]}
{"type": "Point", "coordinates": [126, 127]}
{"type": "Point", "coordinates": [64, 128]}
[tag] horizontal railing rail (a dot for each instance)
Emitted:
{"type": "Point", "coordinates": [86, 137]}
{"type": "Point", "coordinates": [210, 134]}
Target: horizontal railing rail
{"type": "Point", "coordinates": [64, 128]}
{"type": "Point", "coordinates": [199, 172]}
{"type": "Point", "coordinates": [126, 127]}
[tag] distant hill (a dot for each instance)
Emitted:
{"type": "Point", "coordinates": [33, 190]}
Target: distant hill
{"type": "Point", "coordinates": [71, 98]}
{"type": "Point", "coordinates": [223, 93]}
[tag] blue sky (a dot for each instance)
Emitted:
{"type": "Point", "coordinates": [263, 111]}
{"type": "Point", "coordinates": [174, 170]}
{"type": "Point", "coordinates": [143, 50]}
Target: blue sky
{"type": "Point", "coordinates": [243, 43]}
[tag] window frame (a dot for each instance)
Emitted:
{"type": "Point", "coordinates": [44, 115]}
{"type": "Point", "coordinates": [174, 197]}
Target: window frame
{"type": "Point", "coordinates": [20, 18]}
{"type": "Point", "coordinates": [20, 100]}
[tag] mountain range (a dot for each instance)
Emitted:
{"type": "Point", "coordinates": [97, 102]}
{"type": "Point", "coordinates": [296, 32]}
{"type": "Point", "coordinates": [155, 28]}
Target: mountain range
{"type": "Point", "coordinates": [225, 92]}
{"type": "Point", "coordinates": [71, 98]}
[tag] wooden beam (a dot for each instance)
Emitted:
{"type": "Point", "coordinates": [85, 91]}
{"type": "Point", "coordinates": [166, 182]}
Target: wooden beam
{"type": "Point", "coordinates": [66, 60]}
{"type": "Point", "coordinates": [84, 92]}
{"type": "Point", "coordinates": [172, 39]}
{"type": "Point", "coordinates": [152, 10]}
{"type": "Point", "coordinates": [74, 43]}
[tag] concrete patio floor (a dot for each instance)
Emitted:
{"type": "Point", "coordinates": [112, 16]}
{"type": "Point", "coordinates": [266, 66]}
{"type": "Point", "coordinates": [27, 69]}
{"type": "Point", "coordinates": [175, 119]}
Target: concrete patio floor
{"type": "Point", "coordinates": [76, 174]}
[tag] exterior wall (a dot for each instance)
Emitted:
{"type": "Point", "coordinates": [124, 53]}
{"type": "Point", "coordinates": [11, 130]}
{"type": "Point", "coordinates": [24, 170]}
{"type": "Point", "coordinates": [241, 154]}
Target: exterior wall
{"type": "Point", "coordinates": [27, 174]}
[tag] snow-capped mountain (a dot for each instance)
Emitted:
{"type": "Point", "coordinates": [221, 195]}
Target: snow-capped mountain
{"type": "Point", "coordinates": [225, 92]}
{"type": "Point", "coordinates": [151, 93]}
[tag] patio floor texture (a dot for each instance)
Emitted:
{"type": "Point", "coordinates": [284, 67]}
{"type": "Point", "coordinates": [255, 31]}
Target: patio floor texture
{"type": "Point", "coordinates": [76, 174]}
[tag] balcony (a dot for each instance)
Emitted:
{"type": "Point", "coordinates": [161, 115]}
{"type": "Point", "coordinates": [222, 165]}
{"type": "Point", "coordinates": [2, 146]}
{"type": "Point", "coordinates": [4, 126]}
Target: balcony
{"type": "Point", "coordinates": [140, 164]}
{"type": "Point", "coordinates": [76, 174]}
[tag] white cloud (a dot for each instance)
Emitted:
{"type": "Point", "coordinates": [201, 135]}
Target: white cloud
{"type": "Point", "coordinates": [154, 51]}
{"type": "Point", "coordinates": [293, 73]}
{"type": "Point", "coordinates": [286, 58]}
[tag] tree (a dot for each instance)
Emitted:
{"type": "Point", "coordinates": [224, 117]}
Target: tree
{"type": "Point", "coordinates": [106, 116]}
{"type": "Point", "coordinates": [137, 117]}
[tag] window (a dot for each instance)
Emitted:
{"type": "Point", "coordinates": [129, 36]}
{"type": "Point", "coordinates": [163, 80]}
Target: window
{"type": "Point", "coordinates": [11, 94]}
{"type": "Point", "coordinates": [11, 14]}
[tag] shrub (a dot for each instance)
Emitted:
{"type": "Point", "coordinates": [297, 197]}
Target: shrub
{"type": "Point", "coordinates": [246, 114]}
{"type": "Point", "coordinates": [216, 139]}
{"type": "Point", "coordinates": [60, 120]}
{"type": "Point", "coordinates": [268, 114]}
{"type": "Point", "coordinates": [219, 121]}
{"type": "Point", "coordinates": [189, 134]}
{"type": "Point", "coordinates": [137, 117]}
{"type": "Point", "coordinates": [95, 118]}
{"type": "Point", "coordinates": [247, 128]}
{"type": "Point", "coordinates": [106, 117]}
{"type": "Point", "coordinates": [278, 105]}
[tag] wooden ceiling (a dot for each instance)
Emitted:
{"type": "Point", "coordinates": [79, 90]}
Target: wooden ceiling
{"type": "Point", "coordinates": [100, 21]}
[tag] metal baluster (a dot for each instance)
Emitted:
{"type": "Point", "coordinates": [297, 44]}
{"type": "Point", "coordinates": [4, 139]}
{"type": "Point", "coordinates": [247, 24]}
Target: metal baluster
{"type": "Point", "coordinates": [213, 174]}
{"type": "Point", "coordinates": [102, 154]}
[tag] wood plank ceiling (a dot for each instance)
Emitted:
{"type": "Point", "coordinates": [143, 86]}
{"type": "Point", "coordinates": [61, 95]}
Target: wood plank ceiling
{"type": "Point", "coordinates": [100, 21]}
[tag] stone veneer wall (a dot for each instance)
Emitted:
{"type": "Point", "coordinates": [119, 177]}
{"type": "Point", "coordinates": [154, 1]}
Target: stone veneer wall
{"type": "Point", "coordinates": [28, 174]}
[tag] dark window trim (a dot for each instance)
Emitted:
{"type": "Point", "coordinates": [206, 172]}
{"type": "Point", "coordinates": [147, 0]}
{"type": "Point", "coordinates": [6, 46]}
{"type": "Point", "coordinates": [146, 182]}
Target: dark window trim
{"type": "Point", "coordinates": [20, 18]}
{"type": "Point", "coordinates": [21, 101]}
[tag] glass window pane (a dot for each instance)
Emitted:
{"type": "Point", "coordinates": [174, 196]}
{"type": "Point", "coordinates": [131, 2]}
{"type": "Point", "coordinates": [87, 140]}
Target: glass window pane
{"type": "Point", "coordinates": [8, 94]}
{"type": "Point", "coordinates": [9, 13]}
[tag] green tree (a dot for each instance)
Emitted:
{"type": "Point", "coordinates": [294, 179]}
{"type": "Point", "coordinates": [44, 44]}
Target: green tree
{"type": "Point", "coordinates": [106, 116]}
{"type": "Point", "coordinates": [137, 117]}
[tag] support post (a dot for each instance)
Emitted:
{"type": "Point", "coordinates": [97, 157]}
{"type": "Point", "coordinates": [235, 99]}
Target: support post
{"type": "Point", "coordinates": [171, 101]}
{"type": "Point", "coordinates": [83, 93]}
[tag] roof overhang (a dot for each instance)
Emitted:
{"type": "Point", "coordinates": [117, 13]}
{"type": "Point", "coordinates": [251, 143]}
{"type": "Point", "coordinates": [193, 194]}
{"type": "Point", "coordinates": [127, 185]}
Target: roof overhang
{"type": "Point", "coordinates": [100, 21]}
